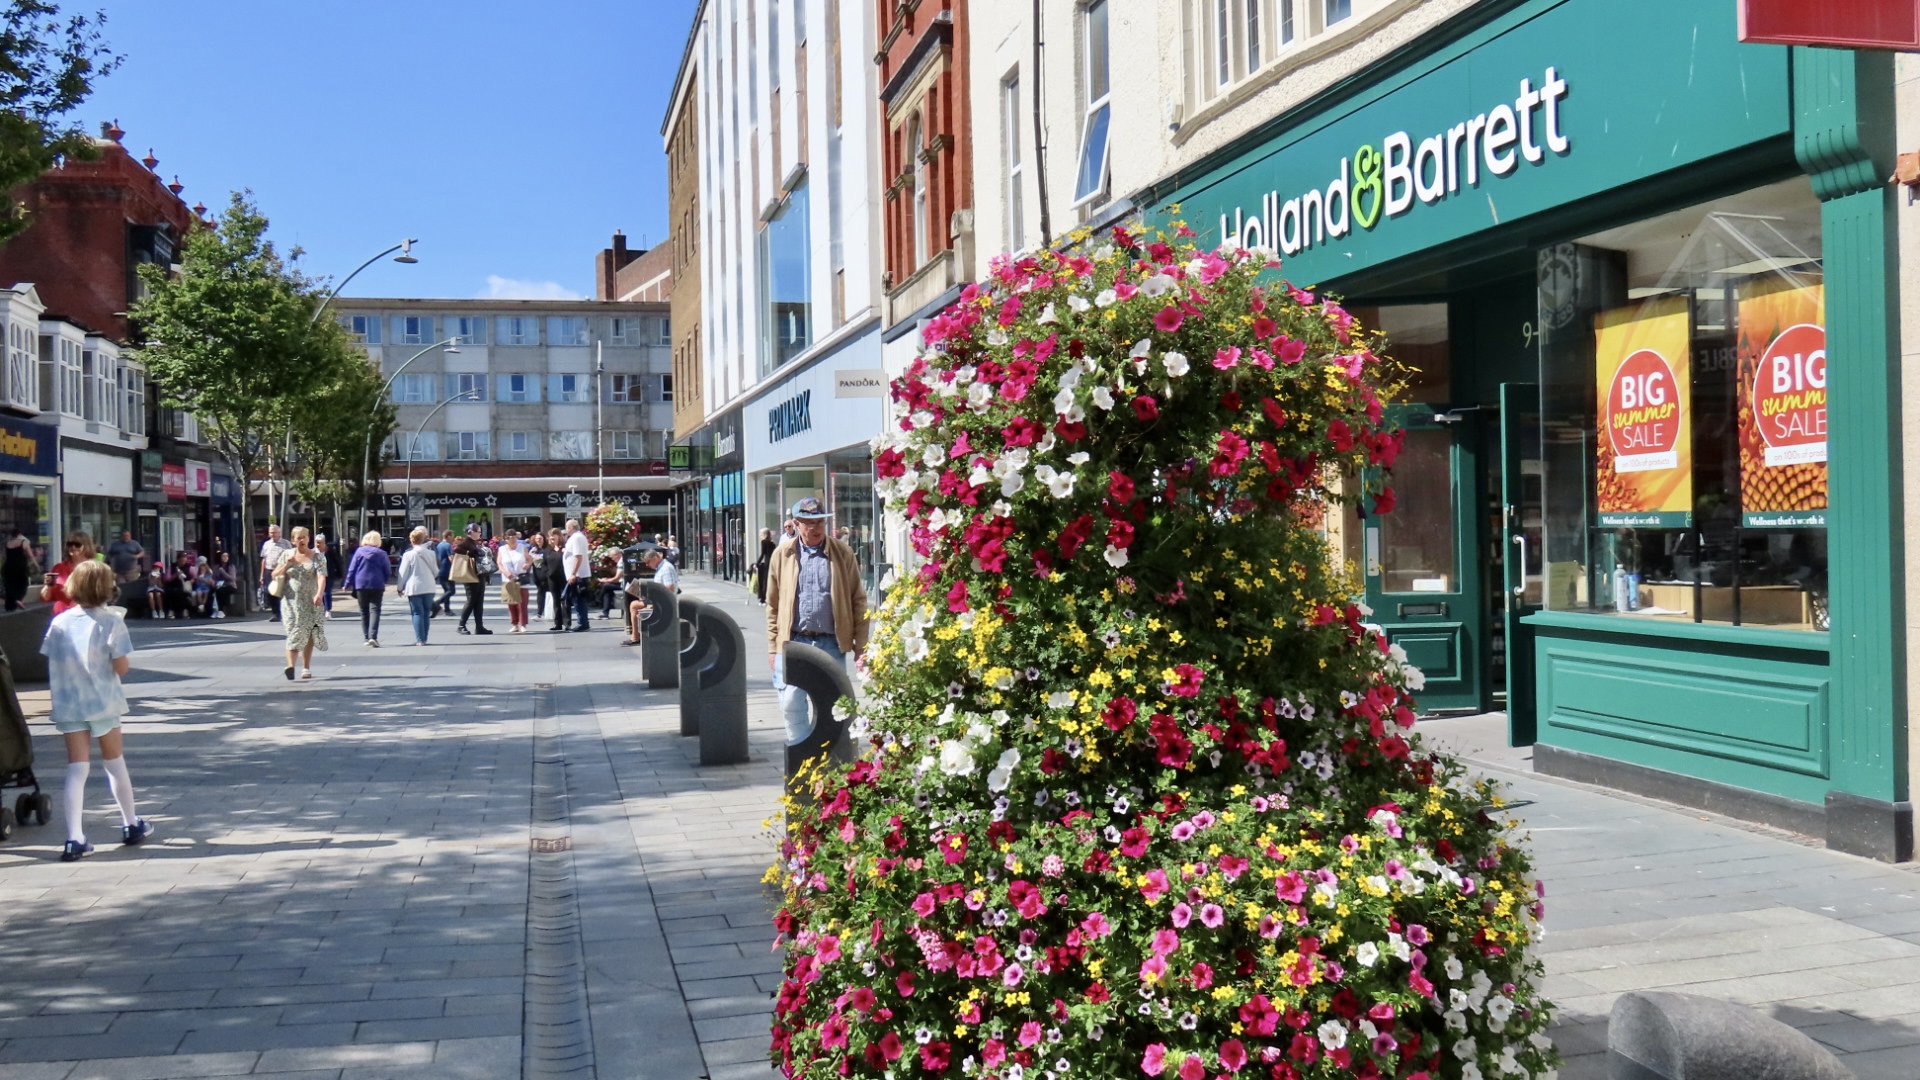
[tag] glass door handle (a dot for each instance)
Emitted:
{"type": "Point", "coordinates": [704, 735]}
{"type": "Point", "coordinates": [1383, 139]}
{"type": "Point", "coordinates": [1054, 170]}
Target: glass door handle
{"type": "Point", "coordinates": [1520, 541]}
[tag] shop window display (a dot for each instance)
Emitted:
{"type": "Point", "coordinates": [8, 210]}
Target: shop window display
{"type": "Point", "coordinates": [1684, 415]}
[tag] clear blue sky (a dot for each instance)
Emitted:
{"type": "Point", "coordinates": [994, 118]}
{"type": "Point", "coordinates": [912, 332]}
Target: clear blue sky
{"type": "Point", "coordinates": [511, 138]}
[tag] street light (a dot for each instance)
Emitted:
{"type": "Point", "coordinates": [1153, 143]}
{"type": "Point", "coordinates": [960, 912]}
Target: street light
{"type": "Point", "coordinates": [366, 454]}
{"type": "Point", "coordinates": [464, 395]}
{"type": "Point", "coordinates": [405, 258]}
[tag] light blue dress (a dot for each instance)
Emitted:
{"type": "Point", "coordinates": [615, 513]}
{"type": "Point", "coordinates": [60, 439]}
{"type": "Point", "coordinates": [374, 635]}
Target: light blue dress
{"type": "Point", "coordinates": [81, 646]}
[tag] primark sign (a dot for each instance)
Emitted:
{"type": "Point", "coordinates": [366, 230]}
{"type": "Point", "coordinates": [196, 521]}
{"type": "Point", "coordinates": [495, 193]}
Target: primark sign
{"type": "Point", "coordinates": [790, 417]}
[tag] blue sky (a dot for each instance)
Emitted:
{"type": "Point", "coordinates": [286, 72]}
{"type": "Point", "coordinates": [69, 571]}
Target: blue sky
{"type": "Point", "coordinates": [512, 139]}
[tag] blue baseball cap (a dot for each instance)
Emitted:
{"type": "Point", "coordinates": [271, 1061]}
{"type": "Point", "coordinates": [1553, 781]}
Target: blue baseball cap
{"type": "Point", "coordinates": [809, 509]}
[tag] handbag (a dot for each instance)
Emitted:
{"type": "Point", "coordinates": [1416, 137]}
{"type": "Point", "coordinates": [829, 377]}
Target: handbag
{"type": "Point", "coordinates": [462, 571]}
{"type": "Point", "coordinates": [510, 592]}
{"type": "Point", "coordinates": [485, 565]}
{"type": "Point", "coordinates": [276, 587]}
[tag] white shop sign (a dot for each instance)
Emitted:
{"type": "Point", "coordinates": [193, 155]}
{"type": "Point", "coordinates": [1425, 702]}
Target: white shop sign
{"type": "Point", "coordinates": [803, 417]}
{"type": "Point", "coordinates": [83, 472]}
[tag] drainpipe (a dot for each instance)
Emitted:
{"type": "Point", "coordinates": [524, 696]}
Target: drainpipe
{"type": "Point", "coordinates": [1040, 133]}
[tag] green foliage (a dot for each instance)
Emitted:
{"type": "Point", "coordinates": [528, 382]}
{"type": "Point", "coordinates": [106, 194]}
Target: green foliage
{"type": "Point", "coordinates": [341, 425]}
{"type": "Point", "coordinates": [1143, 796]}
{"type": "Point", "coordinates": [48, 63]}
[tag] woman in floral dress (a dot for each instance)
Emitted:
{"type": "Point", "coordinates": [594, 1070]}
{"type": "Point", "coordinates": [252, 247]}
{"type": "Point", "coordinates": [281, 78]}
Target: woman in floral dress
{"type": "Point", "coordinates": [302, 574]}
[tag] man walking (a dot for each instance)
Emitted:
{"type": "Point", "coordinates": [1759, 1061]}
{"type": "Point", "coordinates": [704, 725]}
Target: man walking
{"type": "Point", "coordinates": [577, 557]}
{"type": "Point", "coordinates": [271, 553]}
{"type": "Point", "coordinates": [814, 596]}
{"type": "Point", "coordinates": [124, 556]}
{"type": "Point", "coordinates": [444, 552]}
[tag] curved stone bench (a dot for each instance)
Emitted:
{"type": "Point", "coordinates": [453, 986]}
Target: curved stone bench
{"type": "Point", "coordinates": [695, 650]}
{"type": "Point", "coordinates": [1655, 1035]}
{"type": "Point", "coordinates": [660, 636]}
{"type": "Point", "coordinates": [21, 633]}
{"type": "Point", "coordinates": [825, 681]}
{"type": "Point", "coordinates": [721, 680]}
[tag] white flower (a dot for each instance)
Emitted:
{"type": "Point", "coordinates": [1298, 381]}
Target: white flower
{"type": "Point", "coordinates": [1139, 355]}
{"type": "Point", "coordinates": [1079, 457]}
{"type": "Point", "coordinates": [1001, 509]}
{"type": "Point", "coordinates": [1456, 1020]}
{"type": "Point", "coordinates": [916, 649]}
{"type": "Point", "coordinates": [1045, 444]}
{"type": "Point", "coordinates": [1061, 484]}
{"type": "Point", "coordinates": [1398, 946]}
{"type": "Point", "coordinates": [979, 397]}
{"type": "Point", "coordinates": [1176, 363]}
{"type": "Point", "coordinates": [1060, 699]}
{"type": "Point", "coordinates": [1102, 398]}
{"type": "Point", "coordinates": [1116, 557]}
{"type": "Point", "coordinates": [1398, 652]}
{"type": "Point", "coordinates": [1011, 485]}
{"type": "Point", "coordinates": [1416, 679]}
{"type": "Point", "coordinates": [1009, 758]}
{"type": "Point", "coordinates": [1454, 968]}
{"type": "Point", "coordinates": [980, 477]}
{"type": "Point", "coordinates": [1078, 303]}
{"type": "Point", "coordinates": [1333, 1034]}
{"type": "Point", "coordinates": [1367, 955]}
{"type": "Point", "coordinates": [997, 336]}
{"type": "Point", "coordinates": [1106, 298]}
{"type": "Point", "coordinates": [1103, 253]}
{"type": "Point", "coordinates": [955, 758]}
{"type": "Point", "coordinates": [1499, 1006]}
{"type": "Point", "coordinates": [997, 779]}
{"type": "Point", "coordinates": [1158, 285]}
{"type": "Point", "coordinates": [1047, 315]}
{"type": "Point", "coordinates": [1470, 1071]}
{"type": "Point", "coordinates": [935, 456]}
{"type": "Point", "coordinates": [1063, 402]}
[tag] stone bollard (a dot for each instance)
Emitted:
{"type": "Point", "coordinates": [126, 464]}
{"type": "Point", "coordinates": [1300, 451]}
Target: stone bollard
{"type": "Point", "coordinates": [1655, 1035]}
{"type": "Point", "coordinates": [722, 681]}
{"type": "Point", "coordinates": [825, 681]}
{"type": "Point", "coordinates": [696, 649]}
{"type": "Point", "coordinates": [660, 636]}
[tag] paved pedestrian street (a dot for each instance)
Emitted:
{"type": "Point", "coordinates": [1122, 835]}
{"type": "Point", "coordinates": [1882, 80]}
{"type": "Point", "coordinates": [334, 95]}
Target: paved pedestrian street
{"type": "Point", "coordinates": [496, 857]}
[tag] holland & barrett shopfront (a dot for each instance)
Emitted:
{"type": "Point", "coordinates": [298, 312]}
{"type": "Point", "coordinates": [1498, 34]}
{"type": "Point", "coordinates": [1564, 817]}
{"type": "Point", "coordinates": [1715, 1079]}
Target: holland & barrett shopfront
{"type": "Point", "coordinates": [1637, 507]}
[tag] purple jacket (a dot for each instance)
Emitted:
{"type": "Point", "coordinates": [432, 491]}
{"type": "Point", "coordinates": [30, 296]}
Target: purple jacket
{"type": "Point", "coordinates": [369, 568]}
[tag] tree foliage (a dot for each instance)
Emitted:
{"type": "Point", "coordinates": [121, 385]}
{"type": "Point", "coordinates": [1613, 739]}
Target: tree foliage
{"type": "Point", "coordinates": [48, 64]}
{"type": "Point", "coordinates": [340, 426]}
{"type": "Point", "coordinates": [233, 340]}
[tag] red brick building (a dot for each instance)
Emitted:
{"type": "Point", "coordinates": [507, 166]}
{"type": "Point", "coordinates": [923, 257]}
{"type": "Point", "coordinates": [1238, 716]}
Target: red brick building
{"type": "Point", "coordinates": [926, 156]}
{"type": "Point", "coordinates": [92, 224]}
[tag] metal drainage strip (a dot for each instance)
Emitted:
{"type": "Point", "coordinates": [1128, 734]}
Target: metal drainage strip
{"type": "Point", "coordinates": [557, 1038]}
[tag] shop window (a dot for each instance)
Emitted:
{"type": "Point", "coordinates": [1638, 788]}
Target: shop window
{"type": "Point", "coordinates": [1683, 363]}
{"type": "Point", "coordinates": [1417, 340]}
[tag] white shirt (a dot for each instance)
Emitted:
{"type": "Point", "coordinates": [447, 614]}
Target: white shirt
{"type": "Point", "coordinates": [272, 552]}
{"type": "Point", "coordinates": [577, 552]}
{"type": "Point", "coordinates": [513, 561]}
{"type": "Point", "coordinates": [81, 646]}
{"type": "Point", "coordinates": [668, 575]}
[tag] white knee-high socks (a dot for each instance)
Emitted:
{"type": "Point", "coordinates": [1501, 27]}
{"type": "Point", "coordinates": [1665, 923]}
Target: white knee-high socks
{"type": "Point", "coordinates": [121, 785]}
{"type": "Point", "coordinates": [74, 797]}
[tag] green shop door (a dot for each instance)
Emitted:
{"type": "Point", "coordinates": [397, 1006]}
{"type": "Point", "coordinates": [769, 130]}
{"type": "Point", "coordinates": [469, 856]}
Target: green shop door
{"type": "Point", "coordinates": [1422, 559]}
{"type": "Point", "coordinates": [1523, 574]}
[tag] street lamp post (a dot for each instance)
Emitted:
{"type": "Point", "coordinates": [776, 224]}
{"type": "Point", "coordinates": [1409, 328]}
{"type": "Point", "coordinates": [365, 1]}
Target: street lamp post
{"type": "Point", "coordinates": [464, 395]}
{"type": "Point", "coordinates": [405, 258]}
{"type": "Point", "coordinates": [366, 454]}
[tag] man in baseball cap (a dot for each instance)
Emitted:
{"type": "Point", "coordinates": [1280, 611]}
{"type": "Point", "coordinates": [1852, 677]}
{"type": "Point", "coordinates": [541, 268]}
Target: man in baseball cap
{"type": "Point", "coordinates": [815, 597]}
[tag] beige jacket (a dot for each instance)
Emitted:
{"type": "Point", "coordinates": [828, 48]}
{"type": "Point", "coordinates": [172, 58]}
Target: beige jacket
{"type": "Point", "coordinates": [848, 595]}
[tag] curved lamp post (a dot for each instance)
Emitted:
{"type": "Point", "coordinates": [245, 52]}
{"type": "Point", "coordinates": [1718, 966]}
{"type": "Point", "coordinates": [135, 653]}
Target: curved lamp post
{"type": "Point", "coordinates": [404, 258]}
{"type": "Point", "coordinates": [465, 395]}
{"type": "Point", "coordinates": [366, 454]}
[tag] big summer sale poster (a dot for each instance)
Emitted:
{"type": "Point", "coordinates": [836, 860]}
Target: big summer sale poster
{"type": "Point", "coordinates": [1644, 475]}
{"type": "Point", "coordinates": [1783, 405]}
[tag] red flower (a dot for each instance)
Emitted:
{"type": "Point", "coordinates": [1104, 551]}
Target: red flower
{"type": "Point", "coordinates": [1233, 1054]}
{"type": "Point", "coordinates": [904, 984]}
{"type": "Point", "coordinates": [1168, 319]}
{"type": "Point", "coordinates": [935, 1056]}
{"type": "Point", "coordinates": [1119, 713]}
{"type": "Point", "coordinates": [954, 847]}
{"type": "Point", "coordinates": [1120, 487]}
{"type": "Point", "coordinates": [957, 597]}
{"type": "Point", "coordinates": [1146, 408]}
{"type": "Point", "coordinates": [1187, 679]}
{"type": "Point", "coordinates": [1341, 435]}
{"type": "Point", "coordinates": [1274, 412]}
{"type": "Point", "coordinates": [890, 1046]}
{"type": "Point", "coordinates": [1385, 502]}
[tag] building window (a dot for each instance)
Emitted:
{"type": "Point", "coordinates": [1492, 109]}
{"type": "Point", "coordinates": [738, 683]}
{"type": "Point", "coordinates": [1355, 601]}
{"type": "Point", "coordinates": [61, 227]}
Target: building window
{"type": "Point", "coordinates": [1252, 34]}
{"type": "Point", "coordinates": [469, 329]}
{"type": "Point", "coordinates": [1011, 157]}
{"type": "Point", "coordinates": [663, 331]}
{"type": "Point", "coordinates": [69, 383]}
{"type": "Point", "coordinates": [519, 388]}
{"type": "Point", "coordinates": [23, 367]}
{"type": "Point", "coordinates": [916, 161]}
{"type": "Point", "coordinates": [517, 330]}
{"type": "Point", "coordinates": [413, 329]}
{"type": "Point", "coordinates": [1337, 10]}
{"type": "Point", "coordinates": [570, 445]}
{"type": "Point", "coordinates": [1222, 47]}
{"type": "Point", "coordinates": [133, 382]}
{"type": "Point", "coordinates": [364, 329]}
{"type": "Point", "coordinates": [625, 389]}
{"type": "Point", "coordinates": [102, 387]}
{"type": "Point", "coordinates": [786, 283]}
{"type": "Point", "coordinates": [626, 444]}
{"type": "Point", "coordinates": [409, 389]}
{"type": "Point", "coordinates": [666, 388]}
{"type": "Point", "coordinates": [467, 385]}
{"type": "Point", "coordinates": [469, 445]}
{"type": "Point", "coordinates": [1091, 179]}
{"type": "Point", "coordinates": [570, 388]}
{"type": "Point", "coordinates": [519, 445]}
{"type": "Point", "coordinates": [625, 330]}
{"type": "Point", "coordinates": [416, 446]}
{"type": "Point", "coordinates": [566, 330]}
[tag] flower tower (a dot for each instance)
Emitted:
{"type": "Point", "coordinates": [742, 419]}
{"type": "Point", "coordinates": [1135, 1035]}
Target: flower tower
{"type": "Point", "coordinates": [1143, 797]}
{"type": "Point", "coordinates": [611, 528]}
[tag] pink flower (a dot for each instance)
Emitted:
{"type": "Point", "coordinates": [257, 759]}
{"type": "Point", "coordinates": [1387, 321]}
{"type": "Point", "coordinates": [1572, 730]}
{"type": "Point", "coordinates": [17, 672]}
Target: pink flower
{"type": "Point", "coordinates": [1096, 925]}
{"type": "Point", "coordinates": [861, 998]}
{"type": "Point", "coordinates": [1155, 886]}
{"type": "Point", "coordinates": [1145, 408]}
{"type": "Point", "coordinates": [1193, 1069]}
{"type": "Point", "coordinates": [890, 1046]}
{"type": "Point", "coordinates": [1212, 915]}
{"type": "Point", "coordinates": [1232, 866]}
{"type": "Point", "coordinates": [1154, 1060]}
{"type": "Point", "coordinates": [1182, 914]}
{"type": "Point", "coordinates": [1269, 927]}
{"type": "Point", "coordinates": [833, 1033]}
{"type": "Point", "coordinates": [1030, 1033]}
{"type": "Point", "coordinates": [1227, 358]}
{"type": "Point", "coordinates": [923, 904]}
{"type": "Point", "coordinates": [1233, 1055]}
{"type": "Point", "coordinates": [1183, 831]}
{"type": "Point", "coordinates": [993, 1052]}
{"type": "Point", "coordinates": [1153, 969]}
{"type": "Point", "coordinates": [1290, 887]}
{"type": "Point", "coordinates": [1013, 975]}
{"type": "Point", "coordinates": [1202, 976]}
{"type": "Point", "coordinates": [1165, 942]}
{"type": "Point", "coordinates": [1168, 319]}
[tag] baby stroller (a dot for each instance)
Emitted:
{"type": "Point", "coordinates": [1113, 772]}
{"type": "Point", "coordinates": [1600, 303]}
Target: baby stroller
{"type": "Point", "coordinates": [16, 761]}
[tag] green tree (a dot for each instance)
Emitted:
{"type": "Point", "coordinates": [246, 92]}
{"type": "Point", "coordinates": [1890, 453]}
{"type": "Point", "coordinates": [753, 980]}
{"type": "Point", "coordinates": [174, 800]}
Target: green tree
{"type": "Point", "coordinates": [48, 64]}
{"type": "Point", "coordinates": [232, 339]}
{"type": "Point", "coordinates": [339, 426]}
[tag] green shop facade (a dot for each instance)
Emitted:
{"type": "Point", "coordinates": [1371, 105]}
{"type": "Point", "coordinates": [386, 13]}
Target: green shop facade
{"type": "Point", "coordinates": [1617, 247]}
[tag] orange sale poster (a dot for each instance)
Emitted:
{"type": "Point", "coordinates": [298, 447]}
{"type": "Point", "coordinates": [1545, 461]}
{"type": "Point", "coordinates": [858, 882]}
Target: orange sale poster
{"type": "Point", "coordinates": [1645, 438]}
{"type": "Point", "coordinates": [1783, 405]}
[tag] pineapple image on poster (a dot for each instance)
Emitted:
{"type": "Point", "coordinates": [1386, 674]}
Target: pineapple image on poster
{"type": "Point", "coordinates": [1644, 471]}
{"type": "Point", "coordinates": [1783, 405]}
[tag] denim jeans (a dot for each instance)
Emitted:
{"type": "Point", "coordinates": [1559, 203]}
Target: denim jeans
{"type": "Point", "coordinates": [420, 607]}
{"type": "Point", "coordinates": [793, 702]}
{"type": "Point", "coordinates": [577, 594]}
{"type": "Point", "coordinates": [369, 612]}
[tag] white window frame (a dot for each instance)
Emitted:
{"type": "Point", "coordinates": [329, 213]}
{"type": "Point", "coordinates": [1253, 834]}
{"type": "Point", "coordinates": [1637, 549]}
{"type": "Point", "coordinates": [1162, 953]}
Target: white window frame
{"type": "Point", "coordinates": [1013, 162]}
{"type": "Point", "coordinates": [663, 331]}
{"type": "Point", "coordinates": [416, 446]}
{"type": "Point", "coordinates": [1097, 116]}
{"type": "Point", "coordinates": [520, 445]}
{"type": "Point", "coordinates": [469, 446]}
{"type": "Point", "coordinates": [363, 329]}
{"type": "Point", "coordinates": [528, 396]}
{"type": "Point", "coordinates": [413, 330]}
{"type": "Point", "coordinates": [23, 365]}
{"type": "Point", "coordinates": [69, 379]}
{"type": "Point", "coordinates": [134, 402]}
{"type": "Point", "coordinates": [413, 388]}
{"type": "Point", "coordinates": [626, 330]}
{"type": "Point", "coordinates": [581, 394]}
{"type": "Point", "coordinates": [568, 330]}
{"type": "Point", "coordinates": [470, 329]}
{"type": "Point", "coordinates": [626, 445]}
{"type": "Point", "coordinates": [467, 385]}
{"type": "Point", "coordinates": [517, 330]}
{"type": "Point", "coordinates": [916, 161]}
{"type": "Point", "coordinates": [626, 388]}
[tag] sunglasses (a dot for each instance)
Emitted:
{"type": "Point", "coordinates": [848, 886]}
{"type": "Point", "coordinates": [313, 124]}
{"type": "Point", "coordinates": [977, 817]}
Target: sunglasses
{"type": "Point", "coordinates": [73, 543]}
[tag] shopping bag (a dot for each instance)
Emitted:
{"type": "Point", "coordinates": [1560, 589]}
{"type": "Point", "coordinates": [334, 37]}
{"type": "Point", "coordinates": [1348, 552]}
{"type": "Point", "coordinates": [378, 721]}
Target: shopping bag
{"type": "Point", "coordinates": [546, 607]}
